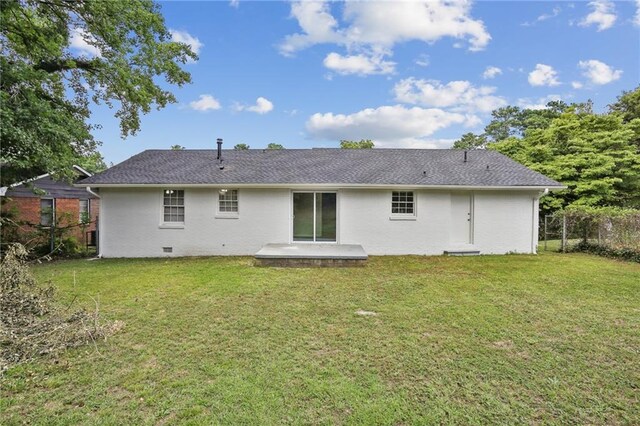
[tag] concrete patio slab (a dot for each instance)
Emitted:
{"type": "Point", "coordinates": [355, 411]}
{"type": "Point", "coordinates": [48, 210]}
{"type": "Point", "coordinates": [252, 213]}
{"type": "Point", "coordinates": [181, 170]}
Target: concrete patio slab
{"type": "Point", "coordinates": [312, 251]}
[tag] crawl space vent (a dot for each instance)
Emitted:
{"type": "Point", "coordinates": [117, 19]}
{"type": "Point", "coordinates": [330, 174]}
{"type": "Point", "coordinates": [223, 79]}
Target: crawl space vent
{"type": "Point", "coordinates": [167, 249]}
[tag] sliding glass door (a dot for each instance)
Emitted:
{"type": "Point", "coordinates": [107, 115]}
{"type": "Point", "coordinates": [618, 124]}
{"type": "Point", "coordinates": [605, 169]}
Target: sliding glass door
{"type": "Point", "coordinates": [314, 216]}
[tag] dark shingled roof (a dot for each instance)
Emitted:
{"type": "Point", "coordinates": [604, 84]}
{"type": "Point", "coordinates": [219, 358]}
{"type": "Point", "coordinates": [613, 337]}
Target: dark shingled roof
{"type": "Point", "coordinates": [47, 187]}
{"type": "Point", "coordinates": [411, 167]}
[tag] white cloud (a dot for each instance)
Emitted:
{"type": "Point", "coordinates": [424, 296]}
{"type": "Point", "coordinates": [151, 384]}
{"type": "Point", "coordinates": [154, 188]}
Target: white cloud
{"type": "Point", "coordinates": [423, 60]}
{"type": "Point", "coordinates": [383, 24]}
{"type": "Point", "coordinates": [598, 72]}
{"type": "Point", "coordinates": [576, 85]}
{"type": "Point", "coordinates": [387, 23]}
{"type": "Point", "coordinates": [491, 72]}
{"type": "Point", "coordinates": [636, 19]}
{"type": "Point", "coordinates": [603, 15]}
{"type": "Point", "coordinates": [540, 103]}
{"type": "Point", "coordinates": [186, 38]}
{"type": "Point", "coordinates": [457, 95]}
{"type": "Point", "coordinates": [205, 103]}
{"type": "Point", "coordinates": [234, 3]}
{"type": "Point", "coordinates": [415, 143]}
{"type": "Point", "coordinates": [555, 12]}
{"type": "Point", "coordinates": [262, 106]}
{"type": "Point", "coordinates": [78, 41]}
{"type": "Point", "coordinates": [317, 24]}
{"type": "Point", "coordinates": [543, 75]}
{"type": "Point", "coordinates": [385, 123]}
{"type": "Point", "coordinates": [373, 28]}
{"type": "Point", "coordinates": [358, 64]}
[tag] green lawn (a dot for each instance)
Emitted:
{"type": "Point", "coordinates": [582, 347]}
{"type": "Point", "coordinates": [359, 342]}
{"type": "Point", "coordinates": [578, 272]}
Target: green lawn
{"type": "Point", "coordinates": [493, 339]}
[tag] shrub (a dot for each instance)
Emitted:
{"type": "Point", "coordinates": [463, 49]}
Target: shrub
{"type": "Point", "coordinates": [69, 246]}
{"type": "Point", "coordinates": [629, 254]}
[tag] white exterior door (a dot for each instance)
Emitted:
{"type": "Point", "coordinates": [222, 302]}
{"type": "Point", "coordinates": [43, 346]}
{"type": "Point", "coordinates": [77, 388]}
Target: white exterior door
{"type": "Point", "coordinates": [461, 218]}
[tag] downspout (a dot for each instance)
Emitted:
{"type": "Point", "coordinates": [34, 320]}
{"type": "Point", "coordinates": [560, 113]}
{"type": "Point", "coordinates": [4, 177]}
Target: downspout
{"type": "Point", "coordinates": [99, 221]}
{"type": "Point", "coordinates": [535, 212]}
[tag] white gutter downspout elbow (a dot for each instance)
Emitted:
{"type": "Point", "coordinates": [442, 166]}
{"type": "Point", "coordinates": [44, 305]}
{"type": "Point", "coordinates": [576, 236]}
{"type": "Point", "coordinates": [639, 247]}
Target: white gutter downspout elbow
{"type": "Point", "coordinates": [88, 188]}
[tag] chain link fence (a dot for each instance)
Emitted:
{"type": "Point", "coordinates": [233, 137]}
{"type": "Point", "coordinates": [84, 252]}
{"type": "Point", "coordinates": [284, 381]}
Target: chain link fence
{"type": "Point", "coordinates": [560, 231]}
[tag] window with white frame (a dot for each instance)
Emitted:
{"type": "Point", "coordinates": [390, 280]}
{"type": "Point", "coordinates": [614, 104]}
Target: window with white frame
{"type": "Point", "coordinates": [47, 211]}
{"type": "Point", "coordinates": [228, 201]}
{"type": "Point", "coordinates": [84, 211]}
{"type": "Point", "coordinates": [403, 203]}
{"type": "Point", "coordinates": [173, 205]}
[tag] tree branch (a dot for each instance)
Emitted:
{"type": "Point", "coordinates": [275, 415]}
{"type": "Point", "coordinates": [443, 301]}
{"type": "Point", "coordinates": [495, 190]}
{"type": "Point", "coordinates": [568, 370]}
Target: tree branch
{"type": "Point", "coordinates": [68, 64]}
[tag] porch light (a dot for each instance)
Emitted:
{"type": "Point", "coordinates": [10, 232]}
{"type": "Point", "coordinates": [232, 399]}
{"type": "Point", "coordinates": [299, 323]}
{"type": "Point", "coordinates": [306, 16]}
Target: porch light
{"type": "Point", "coordinates": [168, 191]}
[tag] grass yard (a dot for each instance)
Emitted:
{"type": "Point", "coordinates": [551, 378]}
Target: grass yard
{"type": "Point", "coordinates": [494, 339]}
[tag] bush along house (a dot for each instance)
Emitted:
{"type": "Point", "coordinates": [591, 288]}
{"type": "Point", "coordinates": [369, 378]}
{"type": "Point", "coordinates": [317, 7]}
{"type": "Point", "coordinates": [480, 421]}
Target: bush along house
{"type": "Point", "coordinates": [48, 214]}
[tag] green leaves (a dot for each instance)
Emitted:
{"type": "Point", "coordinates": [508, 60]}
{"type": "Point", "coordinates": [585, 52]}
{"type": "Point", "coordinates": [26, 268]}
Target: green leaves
{"type": "Point", "coordinates": [58, 56]}
{"type": "Point", "coordinates": [361, 144]}
{"type": "Point", "coordinates": [594, 155]}
{"type": "Point", "coordinates": [470, 141]}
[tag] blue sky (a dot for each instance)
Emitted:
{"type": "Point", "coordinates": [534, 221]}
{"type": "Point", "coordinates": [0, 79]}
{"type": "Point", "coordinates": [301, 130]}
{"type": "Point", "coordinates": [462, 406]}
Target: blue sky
{"type": "Point", "coordinates": [405, 74]}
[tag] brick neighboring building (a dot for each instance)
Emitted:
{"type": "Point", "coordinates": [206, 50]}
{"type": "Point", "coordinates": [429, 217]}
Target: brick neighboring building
{"type": "Point", "coordinates": [52, 202]}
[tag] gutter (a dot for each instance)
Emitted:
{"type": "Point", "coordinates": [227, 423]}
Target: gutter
{"type": "Point", "coordinates": [325, 186]}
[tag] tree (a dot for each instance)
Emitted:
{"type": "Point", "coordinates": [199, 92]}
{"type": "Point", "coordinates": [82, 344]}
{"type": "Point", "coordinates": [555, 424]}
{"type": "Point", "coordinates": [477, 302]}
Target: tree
{"type": "Point", "coordinates": [594, 155]}
{"type": "Point", "coordinates": [505, 123]}
{"type": "Point", "coordinates": [241, 146]}
{"type": "Point", "coordinates": [627, 105]}
{"type": "Point", "coordinates": [513, 121]}
{"type": "Point", "coordinates": [361, 144]}
{"type": "Point", "coordinates": [275, 146]}
{"type": "Point", "coordinates": [470, 141]}
{"type": "Point", "coordinates": [93, 163]}
{"type": "Point", "coordinates": [177, 148]}
{"type": "Point", "coordinates": [47, 87]}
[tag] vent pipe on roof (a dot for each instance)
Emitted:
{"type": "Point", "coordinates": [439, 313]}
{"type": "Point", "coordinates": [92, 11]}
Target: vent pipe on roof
{"type": "Point", "coordinates": [219, 148]}
{"type": "Point", "coordinates": [465, 155]}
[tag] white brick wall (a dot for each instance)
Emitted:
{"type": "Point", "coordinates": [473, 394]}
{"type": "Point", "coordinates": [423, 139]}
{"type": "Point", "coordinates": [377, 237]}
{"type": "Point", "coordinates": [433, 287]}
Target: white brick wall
{"type": "Point", "coordinates": [130, 222]}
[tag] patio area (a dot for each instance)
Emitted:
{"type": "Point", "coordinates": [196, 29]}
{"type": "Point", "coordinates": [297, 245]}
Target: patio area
{"type": "Point", "coordinates": [304, 255]}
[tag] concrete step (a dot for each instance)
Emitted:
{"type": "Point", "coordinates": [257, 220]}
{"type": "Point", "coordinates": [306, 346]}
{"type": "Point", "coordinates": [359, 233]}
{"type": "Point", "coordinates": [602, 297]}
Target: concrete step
{"type": "Point", "coordinates": [311, 255]}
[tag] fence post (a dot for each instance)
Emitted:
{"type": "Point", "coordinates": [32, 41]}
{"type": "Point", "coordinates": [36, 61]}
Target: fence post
{"type": "Point", "coordinates": [545, 232]}
{"type": "Point", "coordinates": [564, 234]}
